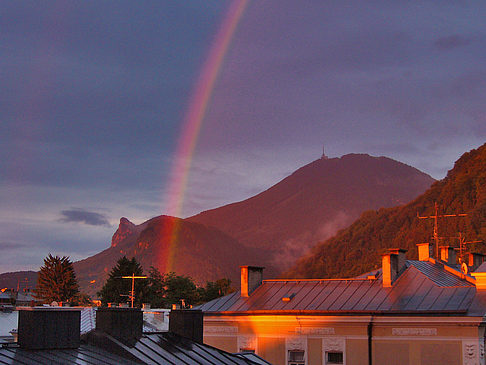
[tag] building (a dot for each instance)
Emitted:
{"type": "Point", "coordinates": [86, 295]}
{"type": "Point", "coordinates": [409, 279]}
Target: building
{"type": "Point", "coordinates": [52, 335]}
{"type": "Point", "coordinates": [424, 311]}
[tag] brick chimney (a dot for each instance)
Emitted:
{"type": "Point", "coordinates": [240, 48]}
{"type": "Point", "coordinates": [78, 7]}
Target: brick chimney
{"type": "Point", "coordinates": [125, 324]}
{"type": "Point", "coordinates": [251, 278]}
{"type": "Point", "coordinates": [424, 251]}
{"type": "Point", "coordinates": [393, 263]}
{"type": "Point", "coordinates": [187, 323]}
{"type": "Point", "coordinates": [448, 255]}
{"type": "Point", "coordinates": [48, 328]}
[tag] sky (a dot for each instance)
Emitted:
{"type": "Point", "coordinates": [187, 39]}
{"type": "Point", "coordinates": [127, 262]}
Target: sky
{"type": "Point", "coordinates": [96, 100]}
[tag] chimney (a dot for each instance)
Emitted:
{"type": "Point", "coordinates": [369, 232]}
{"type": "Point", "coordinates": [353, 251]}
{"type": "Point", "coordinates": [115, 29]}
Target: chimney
{"type": "Point", "coordinates": [448, 255]}
{"type": "Point", "coordinates": [251, 278]}
{"type": "Point", "coordinates": [47, 328]}
{"type": "Point", "coordinates": [125, 324]}
{"type": "Point", "coordinates": [424, 251]}
{"type": "Point", "coordinates": [475, 260]}
{"type": "Point", "coordinates": [187, 323]}
{"type": "Point", "coordinates": [393, 263]}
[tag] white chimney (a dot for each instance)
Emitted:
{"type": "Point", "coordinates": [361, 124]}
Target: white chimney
{"type": "Point", "coordinates": [251, 278]}
{"type": "Point", "coordinates": [448, 255]}
{"type": "Point", "coordinates": [393, 263]}
{"type": "Point", "coordinates": [424, 251]}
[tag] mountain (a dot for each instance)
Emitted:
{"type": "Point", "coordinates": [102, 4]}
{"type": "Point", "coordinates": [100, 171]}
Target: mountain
{"type": "Point", "coordinates": [18, 279]}
{"type": "Point", "coordinates": [204, 253]}
{"type": "Point", "coordinates": [271, 229]}
{"type": "Point", "coordinates": [357, 248]}
{"type": "Point", "coordinates": [314, 202]}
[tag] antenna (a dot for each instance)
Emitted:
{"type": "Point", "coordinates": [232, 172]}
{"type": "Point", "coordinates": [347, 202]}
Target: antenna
{"type": "Point", "coordinates": [323, 157]}
{"type": "Point", "coordinates": [436, 225]}
{"type": "Point", "coordinates": [462, 246]}
{"type": "Point", "coordinates": [131, 296]}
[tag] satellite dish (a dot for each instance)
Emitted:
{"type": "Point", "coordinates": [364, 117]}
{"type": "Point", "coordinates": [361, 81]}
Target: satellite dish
{"type": "Point", "coordinates": [464, 268]}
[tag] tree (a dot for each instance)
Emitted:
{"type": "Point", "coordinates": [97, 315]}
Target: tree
{"type": "Point", "coordinates": [117, 290]}
{"type": "Point", "coordinates": [170, 288]}
{"type": "Point", "coordinates": [215, 289]}
{"type": "Point", "coordinates": [56, 280]}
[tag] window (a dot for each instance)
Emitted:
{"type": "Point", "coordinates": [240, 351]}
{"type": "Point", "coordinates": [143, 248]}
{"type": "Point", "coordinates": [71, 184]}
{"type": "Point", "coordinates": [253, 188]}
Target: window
{"type": "Point", "coordinates": [334, 357]}
{"type": "Point", "coordinates": [296, 357]}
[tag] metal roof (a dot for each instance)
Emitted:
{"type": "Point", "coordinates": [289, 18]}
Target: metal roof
{"type": "Point", "coordinates": [423, 287]}
{"type": "Point", "coordinates": [154, 348]}
{"type": "Point", "coordinates": [85, 354]}
{"type": "Point", "coordinates": [169, 348]}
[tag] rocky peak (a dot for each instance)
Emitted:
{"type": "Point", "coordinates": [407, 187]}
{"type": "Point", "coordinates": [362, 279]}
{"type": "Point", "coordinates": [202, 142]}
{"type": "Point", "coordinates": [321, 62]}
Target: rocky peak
{"type": "Point", "coordinates": [125, 229]}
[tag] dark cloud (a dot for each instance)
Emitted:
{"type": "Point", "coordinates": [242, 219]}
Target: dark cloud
{"type": "Point", "coordinates": [452, 41]}
{"type": "Point", "coordinates": [79, 215]}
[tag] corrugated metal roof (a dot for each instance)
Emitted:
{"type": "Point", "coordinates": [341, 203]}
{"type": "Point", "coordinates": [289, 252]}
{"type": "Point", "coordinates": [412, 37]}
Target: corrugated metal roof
{"type": "Point", "coordinates": [423, 287]}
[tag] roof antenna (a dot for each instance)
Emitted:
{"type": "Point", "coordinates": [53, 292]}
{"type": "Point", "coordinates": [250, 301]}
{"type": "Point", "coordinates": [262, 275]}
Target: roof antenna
{"type": "Point", "coordinates": [324, 157]}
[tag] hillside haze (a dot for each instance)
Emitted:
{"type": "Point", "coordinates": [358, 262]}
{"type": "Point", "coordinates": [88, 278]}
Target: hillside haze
{"type": "Point", "coordinates": [357, 249]}
{"type": "Point", "coordinates": [314, 202]}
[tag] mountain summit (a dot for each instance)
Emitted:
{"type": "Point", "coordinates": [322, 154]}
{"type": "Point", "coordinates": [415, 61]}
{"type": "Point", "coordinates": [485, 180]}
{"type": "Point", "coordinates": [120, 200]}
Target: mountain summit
{"type": "Point", "coordinates": [314, 202]}
{"type": "Point", "coordinates": [357, 249]}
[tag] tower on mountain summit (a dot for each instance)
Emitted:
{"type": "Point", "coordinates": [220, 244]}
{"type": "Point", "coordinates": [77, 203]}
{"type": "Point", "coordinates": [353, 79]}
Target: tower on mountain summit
{"type": "Point", "coordinates": [324, 157]}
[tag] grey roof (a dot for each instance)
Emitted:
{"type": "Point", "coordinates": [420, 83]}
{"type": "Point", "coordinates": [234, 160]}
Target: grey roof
{"type": "Point", "coordinates": [154, 348]}
{"type": "Point", "coordinates": [85, 354]}
{"type": "Point", "coordinates": [253, 357]}
{"type": "Point", "coordinates": [423, 287]}
{"type": "Point", "coordinates": [481, 268]}
{"type": "Point", "coordinates": [169, 348]}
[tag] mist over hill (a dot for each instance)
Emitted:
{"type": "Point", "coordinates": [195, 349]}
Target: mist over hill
{"type": "Point", "coordinates": [314, 202]}
{"type": "Point", "coordinates": [357, 249]}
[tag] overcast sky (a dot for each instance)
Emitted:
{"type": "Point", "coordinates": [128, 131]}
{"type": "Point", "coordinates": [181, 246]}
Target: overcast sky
{"type": "Point", "coordinates": [93, 96]}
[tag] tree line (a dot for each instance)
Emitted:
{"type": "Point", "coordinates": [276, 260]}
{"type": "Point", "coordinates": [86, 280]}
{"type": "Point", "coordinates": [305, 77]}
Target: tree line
{"type": "Point", "coordinates": [57, 283]}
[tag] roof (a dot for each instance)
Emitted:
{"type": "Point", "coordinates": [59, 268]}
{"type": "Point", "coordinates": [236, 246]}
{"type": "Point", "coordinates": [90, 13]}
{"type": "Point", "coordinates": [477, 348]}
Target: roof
{"type": "Point", "coordinates": [85, 354]}
{"type": "Point", "coordinates": [98, 347]}
{"type": "Point", "coordinates": [423, 287]}
{"type": "Point", "coordinates": [169, 348]}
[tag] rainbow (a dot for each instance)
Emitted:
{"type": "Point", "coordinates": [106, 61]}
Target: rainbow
{"type": "Point", "coordinates": [192, 125]}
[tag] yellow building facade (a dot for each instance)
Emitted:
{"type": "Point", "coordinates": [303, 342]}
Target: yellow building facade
{"type": "Point", "coordinates": [409, 312]}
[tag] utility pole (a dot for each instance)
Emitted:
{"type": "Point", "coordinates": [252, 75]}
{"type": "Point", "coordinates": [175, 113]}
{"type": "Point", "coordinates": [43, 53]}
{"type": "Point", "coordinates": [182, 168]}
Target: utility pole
{"type": "Point", "coordinates": [132, 292]}
{"type": "Point", "coordinates": [436, 225]}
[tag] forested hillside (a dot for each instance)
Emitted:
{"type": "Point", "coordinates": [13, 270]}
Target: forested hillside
{"type": "Point", "coordinates": [357, 249]}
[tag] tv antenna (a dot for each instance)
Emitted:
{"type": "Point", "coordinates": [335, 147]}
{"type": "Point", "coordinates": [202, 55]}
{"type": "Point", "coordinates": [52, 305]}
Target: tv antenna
{"type": "Point", "coordinates": [462, 246]}
{"type": "Point", "coordinates": [436, 224]}
{"type": "Point", "coordinates": [131, 296]}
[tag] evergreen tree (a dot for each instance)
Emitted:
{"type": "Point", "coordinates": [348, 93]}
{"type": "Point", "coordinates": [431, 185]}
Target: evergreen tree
{"type": "Point", "coordinates": [56, 280]}
{"type": "Point", "coordinates": [117, 290]}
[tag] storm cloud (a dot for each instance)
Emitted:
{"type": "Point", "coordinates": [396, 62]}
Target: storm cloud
{"type": "Point", "coordinates": [78, 215]}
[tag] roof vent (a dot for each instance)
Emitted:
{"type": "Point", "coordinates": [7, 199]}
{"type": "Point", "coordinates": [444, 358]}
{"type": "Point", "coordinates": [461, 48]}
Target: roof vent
{"type": "Point", "coordinates": [288, 298]}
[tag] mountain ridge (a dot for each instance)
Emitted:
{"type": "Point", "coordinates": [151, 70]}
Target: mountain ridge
{"type": "Point", "coordinates": [357, 249]}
